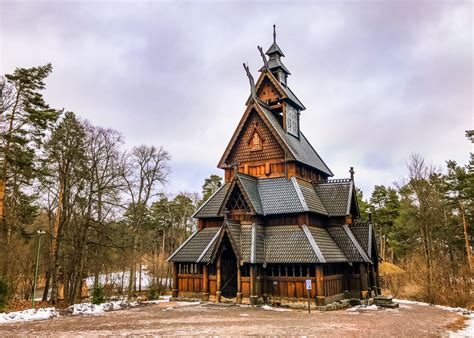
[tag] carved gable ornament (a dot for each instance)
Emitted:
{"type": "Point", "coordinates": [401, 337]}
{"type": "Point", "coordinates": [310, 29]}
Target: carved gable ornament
{"type": "Point", "coordinates": [256, 139]}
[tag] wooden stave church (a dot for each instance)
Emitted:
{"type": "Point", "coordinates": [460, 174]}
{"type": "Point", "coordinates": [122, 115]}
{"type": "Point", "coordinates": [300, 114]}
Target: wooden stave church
{"type": "Point", "coordinates": [278, 219]}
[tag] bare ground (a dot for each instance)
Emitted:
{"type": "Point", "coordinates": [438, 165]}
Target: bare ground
{"type": "Point", "coordinates": [212, 319]}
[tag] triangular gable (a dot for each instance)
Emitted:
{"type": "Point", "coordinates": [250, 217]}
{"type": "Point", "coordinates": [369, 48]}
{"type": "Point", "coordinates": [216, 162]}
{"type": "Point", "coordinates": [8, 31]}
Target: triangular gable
{"type": "Point", "coordinates": [233, 242]}
{"type": "Point", "coordinates": [237, 188]}
{"type": "Point", "coordinates": [284, 91]}
{"type": "Point", "coordinates": [252, 107]}
{"type": "Point", "coordinates": [266, 74]}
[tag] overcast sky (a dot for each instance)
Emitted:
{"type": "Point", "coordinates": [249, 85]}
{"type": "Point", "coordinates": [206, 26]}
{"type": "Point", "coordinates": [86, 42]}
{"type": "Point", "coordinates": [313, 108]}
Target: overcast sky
{"type": "Point", "coordinates": [380, 80]}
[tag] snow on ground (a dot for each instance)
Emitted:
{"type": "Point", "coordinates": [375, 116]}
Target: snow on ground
{"type": "Point", "coordinates": [271, 308]}
{"type": "Point", "coordinates": [95, 309]}
{"type": "Point", "coordinates": [363, 308]}
{"type": "Point", "coordinates": [468, 331]}
{"type": "Point", "coordinates": [120, 278]}
{"type": "Point", "coordinates": [27, 315]}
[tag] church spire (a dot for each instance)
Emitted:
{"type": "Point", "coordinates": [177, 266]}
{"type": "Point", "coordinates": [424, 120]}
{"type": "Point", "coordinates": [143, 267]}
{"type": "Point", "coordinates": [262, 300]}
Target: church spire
{"type": "Point", "coordinates": [275, 65]}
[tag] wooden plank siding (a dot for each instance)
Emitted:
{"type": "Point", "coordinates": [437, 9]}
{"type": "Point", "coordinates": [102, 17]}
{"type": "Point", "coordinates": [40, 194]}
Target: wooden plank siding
{"type": "Point", "coordinates": [190, 283]}
{"type": "Point", "coordinates": [333, 285]}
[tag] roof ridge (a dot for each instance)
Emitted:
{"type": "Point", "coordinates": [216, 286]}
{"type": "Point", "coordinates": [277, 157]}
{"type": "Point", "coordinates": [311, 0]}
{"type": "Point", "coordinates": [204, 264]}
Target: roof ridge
{"type": "Point", "coordinates": [208, 200]}
{"type": "Point", "coordinates": [206, 249]}
{"type": "Point", "coordinates": [182, 245]}
{"type": "Point", "coordinates": [299, 193]}
{"type": "Point", "coordinates": [313, 244]}
{"type": "Point", "coordinates": [355, 242]}
{"type": "Point", "coordinates": [337, 180]}
{"type": "Point", "coordinates": [247, 195]}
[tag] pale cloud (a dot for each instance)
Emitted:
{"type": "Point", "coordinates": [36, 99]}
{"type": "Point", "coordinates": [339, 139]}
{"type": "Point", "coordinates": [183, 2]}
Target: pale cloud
{"type": "Point", "coordinates": [380, 80]}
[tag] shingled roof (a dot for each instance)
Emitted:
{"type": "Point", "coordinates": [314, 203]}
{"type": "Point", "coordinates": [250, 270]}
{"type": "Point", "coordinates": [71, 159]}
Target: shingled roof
{"type": "Point", "coordinates": [348, 243]}
{"type": "Point", "coordinates": [300, 148]}
{"type": "Point", "coordinates": [197, 248]}
{"type": "Point", "coordinates": [366, 237]}
{"type": "Point", "coordinates": [259, 244]}
{"type": "Point", "coordinates": [211, 207]}
{"type": "Point", "coordinates": [272, 196]}
{"type": "Point", "coordinates": [336, 196]}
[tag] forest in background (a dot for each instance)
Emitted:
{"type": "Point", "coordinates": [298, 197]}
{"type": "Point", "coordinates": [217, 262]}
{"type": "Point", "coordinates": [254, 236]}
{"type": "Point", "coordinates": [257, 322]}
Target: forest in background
{"type": "Point", "coordinates": [102, 208]}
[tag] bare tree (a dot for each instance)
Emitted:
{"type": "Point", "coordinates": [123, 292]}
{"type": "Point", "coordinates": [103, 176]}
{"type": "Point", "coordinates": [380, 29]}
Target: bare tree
{"type": "Point", "coordinates": [143, 170]}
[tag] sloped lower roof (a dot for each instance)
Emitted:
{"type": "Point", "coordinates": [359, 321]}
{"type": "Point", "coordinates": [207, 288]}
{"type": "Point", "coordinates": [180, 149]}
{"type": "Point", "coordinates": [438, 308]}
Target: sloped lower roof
{"type": "Point", "coordinates": [366, 237]}
{"type": "Point", "coordinates": [280, 244]}
{"type": "Point", "coordinates": [327, 245]}
{"type": "Point", "coordinates": [348, 243]}
{"type": "Point", "coordinates": [313, 201]}
{"type": "Point", "coordinates": [272, 196]}
{"type": "Point", "coordinates": [197, 248]}
{"type": "Point", "coordinates": [278, 196]}
{"type": "Point", "coordinates": [336, 196]}
{"type": "Point", "coordinates": [211, 207]}
{"type": "Point", "coordinates": [288, 244]}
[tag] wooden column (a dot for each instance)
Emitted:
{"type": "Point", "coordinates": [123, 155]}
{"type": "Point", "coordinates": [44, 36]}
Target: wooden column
{"type": "Point", "coordinates": [364, 288]}
{"type": "Point", "coordinates": [218, 280]}
{"type": "Point", "coordinates": [320, 300]}
{"type": "Point", "coordinates": [239, 284]}
{"type": "Point", "coordinates": [175, 291]}
{"type": "Point", "coordinates": [253, 284]}
{"type": "Point", "coordinates": [205, 282]}
{"type": "Point", "coordinates": [373, 281]}
{"type": "Point", "coordinates": [347, 282]}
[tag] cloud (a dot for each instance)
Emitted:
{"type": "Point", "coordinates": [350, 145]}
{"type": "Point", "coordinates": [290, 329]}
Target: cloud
{"type": "Point", "coordinates": [379, 80]}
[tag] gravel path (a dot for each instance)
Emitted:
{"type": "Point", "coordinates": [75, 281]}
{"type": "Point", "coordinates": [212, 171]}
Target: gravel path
{"type": "Point", "coordinates": [211, 319]}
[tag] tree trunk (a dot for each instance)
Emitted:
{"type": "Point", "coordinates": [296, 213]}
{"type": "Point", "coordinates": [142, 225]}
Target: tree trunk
{"type": "Point", "coordinates": [46, 285]}
{"type": "Point", "coordinates": [4, 172]}
{"type": "Point", "coordinates": [55, 247]}
{"type": "Point", "coordinates": [133, 267]}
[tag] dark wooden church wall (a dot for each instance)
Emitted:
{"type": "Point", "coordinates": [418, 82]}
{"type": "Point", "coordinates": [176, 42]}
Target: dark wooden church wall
{"type": "Point", "coordinates": [334, 283]}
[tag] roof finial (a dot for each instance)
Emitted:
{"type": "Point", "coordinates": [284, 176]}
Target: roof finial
{"type": "Point", "coordinates": [253, 91]}
{"type": "Point", "coordinates": [265, 61]}
{"type": "Point", "coordinates": [352, 172]}
{"type": "Point", "coordinates": [274, 33]}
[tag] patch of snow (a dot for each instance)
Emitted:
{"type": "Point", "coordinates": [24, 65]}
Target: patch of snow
{"type": "Point", "coordinates": [404, 301]}
{"type": "Point", "coordinates": [468, 331]}
{"type": "Point", "coordinates": [156, 301]}
{"type": "Point", "coordinates": [244, 314]}
{"type": "Point", "coordinates": [271, 308]}
{"type": "Point", "coordinates": [27, 315]}
{"type": "Point", "coordinates": [97, 309]}
{"type": "Point", "coordinates": [363, 308]}
{"type": "Point", "coordinates": [120, 278]}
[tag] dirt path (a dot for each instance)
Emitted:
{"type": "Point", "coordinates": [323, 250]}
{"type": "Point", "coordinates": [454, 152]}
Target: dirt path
{"type": "Point", "coordinates": [210, 319]}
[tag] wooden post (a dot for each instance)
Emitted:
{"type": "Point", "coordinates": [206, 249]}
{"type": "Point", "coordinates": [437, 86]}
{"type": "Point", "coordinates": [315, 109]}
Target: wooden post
{"type": "Point", "coordinates": [320, 300]}
{"type": "Point", "coordinates": [218, 280]}
{"type": "Point", "coordinates": [253, 284]}
{"type": "Point", "coordinates": [364, 293]}
{"type": "Point", "coordinates": [239, 284]}
{"type": "Point", "coordinates": [175, 291]}
{"type": "Point", "coordinates": [205, 283]}
{"type": "Point", "coordinates": [373, 281]}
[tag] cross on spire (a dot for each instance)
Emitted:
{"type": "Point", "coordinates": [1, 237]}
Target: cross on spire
{"type": "Point", "coordinates": [274, 33]}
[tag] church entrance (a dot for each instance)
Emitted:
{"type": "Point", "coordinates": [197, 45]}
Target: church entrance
{"type": "Point", "coordinates": [228, 271]}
